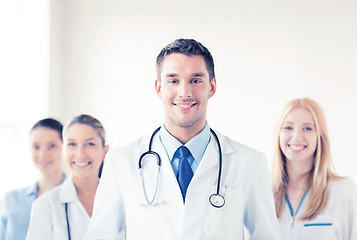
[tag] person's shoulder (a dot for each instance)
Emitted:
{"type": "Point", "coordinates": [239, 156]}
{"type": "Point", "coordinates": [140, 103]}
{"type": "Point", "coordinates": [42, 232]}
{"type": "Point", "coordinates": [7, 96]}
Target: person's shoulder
{"type": "Point", "coordinates": [238, 147]}
{"type": "Point", "coordinates": [342, 182]}
{"type": "Point", "coordinates": [342, 185]}
{"type": "Point", "coordinates": [243, 156]}
{"type": "Point", "coordinates": [131, 147]}
{"type": "Point", "coordinates": [18, 198]}
{"type": "Point", "coordinates": [15, 194]}
{"type": "Point", "coordinates": [18, 194]}
{"type": "Point", "coordinates": [50, 196]}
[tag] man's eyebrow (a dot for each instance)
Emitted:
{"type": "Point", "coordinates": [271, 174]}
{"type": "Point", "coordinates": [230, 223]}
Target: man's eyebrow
{"type": "Point", "coordinates": [171, 75]}
{"type": "Point", "coordinates": [200, 74]}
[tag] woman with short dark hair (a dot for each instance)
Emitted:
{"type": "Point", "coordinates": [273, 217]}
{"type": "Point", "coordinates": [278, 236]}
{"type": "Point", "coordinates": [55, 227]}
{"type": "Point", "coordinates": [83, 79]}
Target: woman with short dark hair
{"type": "Point", "coordinates": [46, 151]}
{"type": "Point", "coordinates": [65, 211]}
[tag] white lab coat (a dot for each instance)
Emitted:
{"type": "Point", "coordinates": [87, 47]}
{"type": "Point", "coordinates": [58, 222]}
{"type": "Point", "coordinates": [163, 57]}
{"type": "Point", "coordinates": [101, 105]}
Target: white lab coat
{"type": "Point", "coordinates": [48, 216]}
{"type": "Point", "coordinates": [245, 185]}
{"type": "Point", "coordinates": [338, 221]}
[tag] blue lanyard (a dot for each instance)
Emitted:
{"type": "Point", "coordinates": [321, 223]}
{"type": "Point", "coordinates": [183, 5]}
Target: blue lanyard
{"type": "Point", "coordinates": [68, 231]}
{"type": "Point", "coordinates": [298, 208]}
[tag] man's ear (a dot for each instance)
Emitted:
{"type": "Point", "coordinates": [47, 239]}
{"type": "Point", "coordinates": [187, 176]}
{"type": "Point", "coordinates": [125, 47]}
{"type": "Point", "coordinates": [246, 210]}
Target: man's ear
{"type": "Point", "coordinates": [213, 87]}
{"type": "Point", "coordinates": [158, 87]}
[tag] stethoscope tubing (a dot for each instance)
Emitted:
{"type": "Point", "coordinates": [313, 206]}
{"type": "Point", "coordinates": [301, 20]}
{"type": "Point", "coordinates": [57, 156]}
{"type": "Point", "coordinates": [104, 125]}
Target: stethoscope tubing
{"type": "Point", "coordinates": [157, 156]}
{"type": "Point", "coordinates": [220, 161]}
{"type": "Point", "coordinates": [68, 230]}
{"type": "Point", "coordinates": [150, 151]}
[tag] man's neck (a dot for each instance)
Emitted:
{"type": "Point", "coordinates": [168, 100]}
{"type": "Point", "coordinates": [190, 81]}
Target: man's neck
{"type": "Point", "coordinates": [184, 134]}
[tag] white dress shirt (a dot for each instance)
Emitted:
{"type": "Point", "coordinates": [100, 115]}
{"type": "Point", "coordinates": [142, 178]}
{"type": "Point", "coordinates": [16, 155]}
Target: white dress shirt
{"type": "Point", "coordinates": [48, 216]}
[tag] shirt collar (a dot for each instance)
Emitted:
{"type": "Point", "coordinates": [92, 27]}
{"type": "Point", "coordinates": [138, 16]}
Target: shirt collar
{"type": "Point", "coordinates": [33, 189]}
{"type": "Point", "coordinates": [196, 145]}
{"type": "Point", "coordinates": [68, 192]}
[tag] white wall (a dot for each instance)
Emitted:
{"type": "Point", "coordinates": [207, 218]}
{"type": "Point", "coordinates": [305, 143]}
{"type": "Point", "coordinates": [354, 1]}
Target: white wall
{"type": "Point", "coordinates": [102, 62]}
{"type": "Point", "coordinates": [24, 69]}
{"type": "Point", "coordinates": [266, 53]}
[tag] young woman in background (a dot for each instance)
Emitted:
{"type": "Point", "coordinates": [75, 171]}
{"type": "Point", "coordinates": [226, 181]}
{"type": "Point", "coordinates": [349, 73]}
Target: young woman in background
{"type": "Point", "coordinates": [46, 150]}
{"type": "Point", "coordinates": [311, 201]}
{"type": "Point", "coordinates": [65, 211]}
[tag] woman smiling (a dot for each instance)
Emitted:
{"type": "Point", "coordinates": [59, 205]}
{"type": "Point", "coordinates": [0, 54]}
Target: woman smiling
{"type": "Point", "coordinates": [311, 201]}
{"type": "Point", "coordinates": [46, 151]}
{"type": "Point", "coordinates": [64, 212]}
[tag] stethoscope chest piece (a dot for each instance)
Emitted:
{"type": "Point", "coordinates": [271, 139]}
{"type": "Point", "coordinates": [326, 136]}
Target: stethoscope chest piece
{"type": "Point", "coordinates": [217, 200]}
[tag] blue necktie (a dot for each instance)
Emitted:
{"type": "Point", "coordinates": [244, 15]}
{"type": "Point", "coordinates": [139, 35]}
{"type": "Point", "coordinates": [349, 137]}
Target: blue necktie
{"type": "Point", "coordinates": [185, 173]}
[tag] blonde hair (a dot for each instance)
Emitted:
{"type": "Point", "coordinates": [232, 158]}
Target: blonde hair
{"type": "Point", "coordinates": [322, 169]}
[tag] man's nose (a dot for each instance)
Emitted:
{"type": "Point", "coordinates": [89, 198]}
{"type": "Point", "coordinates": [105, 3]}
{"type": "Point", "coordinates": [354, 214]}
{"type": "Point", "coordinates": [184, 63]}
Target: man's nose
{"type": "Point", "coordinates": [185, 90]}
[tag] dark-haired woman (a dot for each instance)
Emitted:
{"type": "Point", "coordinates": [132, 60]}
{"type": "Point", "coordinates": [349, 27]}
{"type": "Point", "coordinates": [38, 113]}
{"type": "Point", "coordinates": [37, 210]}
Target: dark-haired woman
{"type": "Point", "coordinates": [46, 150]}
{"type": "Point", "coordinates": [65, 211]}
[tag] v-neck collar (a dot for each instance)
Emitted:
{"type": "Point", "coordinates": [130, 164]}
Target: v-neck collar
{"type": "Point", "coordinates": [298, 208]}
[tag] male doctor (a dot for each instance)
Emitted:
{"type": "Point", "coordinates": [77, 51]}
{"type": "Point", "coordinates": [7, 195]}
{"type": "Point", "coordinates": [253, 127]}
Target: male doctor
{"type": "Point", "coordinates": [177, 205]}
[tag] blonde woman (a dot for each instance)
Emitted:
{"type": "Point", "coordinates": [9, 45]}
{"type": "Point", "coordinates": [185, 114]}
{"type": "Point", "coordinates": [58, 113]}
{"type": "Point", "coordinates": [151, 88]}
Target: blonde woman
{"type": "Point", "coordinates": [46, 152]}
{"type": "Point", "coordinates": [311, 201]}
{"type": "Point", "coordinates": [64, 212]}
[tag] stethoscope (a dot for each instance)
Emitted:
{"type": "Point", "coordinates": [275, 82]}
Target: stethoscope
{"type": "Point", "coordinates": [216, 199]}
{"type": "Point", "coordinates": [68, 230]}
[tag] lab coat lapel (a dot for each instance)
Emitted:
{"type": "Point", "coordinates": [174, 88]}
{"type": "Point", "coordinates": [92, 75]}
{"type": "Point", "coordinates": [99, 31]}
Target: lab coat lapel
{"type": "Point", "coordinates": [67, 192]}
{"type": "Point", "coordinates": [210, 158]}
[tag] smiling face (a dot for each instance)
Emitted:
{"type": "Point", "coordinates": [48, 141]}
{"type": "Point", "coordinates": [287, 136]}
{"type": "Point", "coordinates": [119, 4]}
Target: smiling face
{"type": "Point", "coordinates": [83, 151]}
{"type": "Point", "coordinates": [46, 150]}
{"type": "Point", "coordinates": [184, 88]}
{"type": "Point", "coordinates": [298, 137]}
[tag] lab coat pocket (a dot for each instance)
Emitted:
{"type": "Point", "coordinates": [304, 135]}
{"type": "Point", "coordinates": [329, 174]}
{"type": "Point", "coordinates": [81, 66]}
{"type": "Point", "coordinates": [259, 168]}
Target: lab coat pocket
{"type": "Point", "coordinates": [321, 227]}
{"type": "Point", "coordinates": [226, 222]}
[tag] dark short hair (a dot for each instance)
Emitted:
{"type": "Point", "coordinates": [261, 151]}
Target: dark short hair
{"type": "Point", "coordinates": [95, 124]}
{"type": "Point", "coordinates": [51, 124]}
{"type": "Point", "coordinates": [188, 47]}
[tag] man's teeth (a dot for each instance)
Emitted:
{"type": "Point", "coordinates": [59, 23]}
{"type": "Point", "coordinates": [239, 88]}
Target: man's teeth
{"type": "Point", "coordinates": [184, 105]}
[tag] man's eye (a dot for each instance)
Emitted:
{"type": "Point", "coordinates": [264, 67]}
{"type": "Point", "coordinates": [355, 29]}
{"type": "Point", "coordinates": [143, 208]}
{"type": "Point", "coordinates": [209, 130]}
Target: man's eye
{"type": "Point", "coordinates": [71, 144]}
{"type": "Point", "coordinates": [196, 81]}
